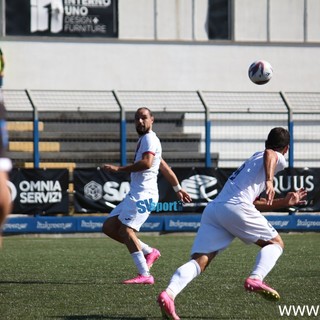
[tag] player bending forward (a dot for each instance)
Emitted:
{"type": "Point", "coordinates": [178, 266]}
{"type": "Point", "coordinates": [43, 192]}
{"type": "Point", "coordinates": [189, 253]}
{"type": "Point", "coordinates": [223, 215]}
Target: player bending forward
{"type": "Point", "coordinates": [234, 213]}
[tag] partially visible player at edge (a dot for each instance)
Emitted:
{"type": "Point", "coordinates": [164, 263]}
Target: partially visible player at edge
{"type": "Point", "coordinates": [234, 213]}
{"type": "Point", "coordinates": [127, 218]}
{"type": "Point", "coordinates": [5, 167]}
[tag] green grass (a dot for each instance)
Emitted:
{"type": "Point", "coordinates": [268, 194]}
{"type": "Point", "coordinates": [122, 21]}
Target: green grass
{"type": "Point", "coordinates": [79, 278]}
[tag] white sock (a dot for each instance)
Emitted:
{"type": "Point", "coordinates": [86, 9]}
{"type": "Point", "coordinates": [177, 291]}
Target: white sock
{"type": "Point", "coordinates": [266, 260]}
{"type": "Point", "coordinates": [182, 276]}
{"type": "Point", "coordinates": [140, 262]}
{"type": "Point", "coordinates": [146, 249]}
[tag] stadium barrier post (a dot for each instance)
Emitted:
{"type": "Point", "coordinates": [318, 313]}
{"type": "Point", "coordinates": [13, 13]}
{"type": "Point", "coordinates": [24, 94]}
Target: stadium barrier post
{"type": "Point", "coordinates": [36, 155]}
{"type": "Point", "coordinates": [290, 128]}
{"type": "Point", "coordinates": [208, 161]}
{"type": "Point", "coordinates": [123, 131]}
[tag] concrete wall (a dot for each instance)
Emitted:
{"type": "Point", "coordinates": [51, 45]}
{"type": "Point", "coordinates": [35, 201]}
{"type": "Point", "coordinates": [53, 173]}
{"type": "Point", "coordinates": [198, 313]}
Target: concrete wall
{"type": "Point", "coordinates": [155, 66]}
{"type": "Point", "coordinates": [181, 58]}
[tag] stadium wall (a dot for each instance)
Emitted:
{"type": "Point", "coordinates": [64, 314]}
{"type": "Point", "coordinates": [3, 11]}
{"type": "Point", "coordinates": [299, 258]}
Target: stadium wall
{"type": "Point", "coordinates": [163, 45]}
{"type": "Point", "coordinates": [129, 65]}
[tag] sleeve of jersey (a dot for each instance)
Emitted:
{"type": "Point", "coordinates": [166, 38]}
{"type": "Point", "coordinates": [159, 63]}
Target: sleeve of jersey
{"type": "Point", "coordinates": [281, 163]}
{"type": "Point", "coordinates": [148, 145]}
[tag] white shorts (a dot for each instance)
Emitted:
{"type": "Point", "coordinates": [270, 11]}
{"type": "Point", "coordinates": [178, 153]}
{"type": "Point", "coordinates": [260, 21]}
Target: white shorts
{"type": "Point", "coordinates": [133, 211]}
{"type": "Point", "coordinates": [222, 222]}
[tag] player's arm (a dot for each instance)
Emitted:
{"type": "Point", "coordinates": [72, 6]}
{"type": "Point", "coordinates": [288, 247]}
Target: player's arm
{"type": "Point", "coordinates": [1, 63]}
{"type": "Point", "coordinates": [291, 199]}
{"type": "Point", "coordinates": [141, 165]}
{"type": "Point", "coordinates": [173, 180]}
{"type": "Point", "coordinates": [270, 161]}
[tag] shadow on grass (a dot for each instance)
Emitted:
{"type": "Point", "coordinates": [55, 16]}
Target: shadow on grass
{"type": "Point", "coordinates": [99, 317]}
{"type": "Point", "coordinates": [42, 282]}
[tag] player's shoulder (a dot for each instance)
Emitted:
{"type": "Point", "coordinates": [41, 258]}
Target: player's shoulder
{"type": "Point", "coordinates": [151, 135]}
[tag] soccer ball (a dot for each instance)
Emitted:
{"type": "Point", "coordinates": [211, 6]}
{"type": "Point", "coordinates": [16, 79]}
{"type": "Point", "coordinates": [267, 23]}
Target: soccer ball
{"type": "Point", "coordinates": [260, 72]}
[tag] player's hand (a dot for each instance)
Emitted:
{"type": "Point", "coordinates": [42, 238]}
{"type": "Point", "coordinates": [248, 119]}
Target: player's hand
{"type": "Point", "coordinates": [296, 198]}
{"type": "Point", "coordinates": [110, 167]}
{"type": "Point", "coordinates": [269, 192]}
{"type": "Point", "coordinates": [184, 196]}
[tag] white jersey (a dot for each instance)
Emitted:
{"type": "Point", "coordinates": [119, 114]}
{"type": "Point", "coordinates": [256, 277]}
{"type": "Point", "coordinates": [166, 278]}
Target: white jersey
{"type": "Point", "coordinates": [146, 180]}
{"type": "Point", "coordinates": [248, 181]}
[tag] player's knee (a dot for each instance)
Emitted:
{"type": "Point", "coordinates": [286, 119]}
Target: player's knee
{"type": "Point", "coordinates": [109, 228]}
{"type": "Point", "coordinates": [280, 243]}
{"type": "Point", "coordinates": [202, 260]}
{"type": "Point", "coordinates": [278, 240]}
{"type": "Point", "coordinates": [126, 233]}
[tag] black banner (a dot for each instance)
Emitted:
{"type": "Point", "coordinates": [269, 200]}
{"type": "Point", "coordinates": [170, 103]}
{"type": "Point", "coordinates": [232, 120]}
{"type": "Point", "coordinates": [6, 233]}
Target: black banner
{"type": "Point", "coordinates": [65, 18]}
{"type": "Point", "coordinates": [99, 191]}
{"type": "Point", "coordinates": [38, 191]}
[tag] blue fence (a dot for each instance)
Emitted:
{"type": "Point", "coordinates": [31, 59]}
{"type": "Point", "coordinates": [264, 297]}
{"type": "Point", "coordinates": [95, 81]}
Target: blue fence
{"type": "Point", "coordinates": [231, 125]}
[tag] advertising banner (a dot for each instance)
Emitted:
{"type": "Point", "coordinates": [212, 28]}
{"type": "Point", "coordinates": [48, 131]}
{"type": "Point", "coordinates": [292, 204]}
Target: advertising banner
{"type": "Point", "coordinates": [38, 191]}
{"type": "Point", "coordinates": [98, 191]}
{"type": "Point", "coordinates": [64, 18]}
{"type": "Point", "coordinates": [155, 223]}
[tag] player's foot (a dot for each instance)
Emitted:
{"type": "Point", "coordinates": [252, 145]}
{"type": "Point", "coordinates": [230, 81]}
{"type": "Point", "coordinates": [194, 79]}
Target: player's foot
{"type": "Point", "coordinates": [152, 257]}
{"type": "Point", "coordinates": [140, 279]}
{"type": "Point", "coordinates": [167, 306]}
{"type": "Point", "coordinates": [257, 286]}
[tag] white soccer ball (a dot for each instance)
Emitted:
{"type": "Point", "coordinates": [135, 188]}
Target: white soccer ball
{"type": "Point", "coordinates": [260, 72]}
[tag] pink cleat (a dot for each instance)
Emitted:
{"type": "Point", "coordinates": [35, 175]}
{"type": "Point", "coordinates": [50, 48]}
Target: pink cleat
{"type": "Point", "coordinates": [256, 285]}
{"type": "Point", "coordinates": [140, 279]}
{"type": "Point", "coordinates": [167, 306]}
{"type": "Point", "coordinates": [152, 257]}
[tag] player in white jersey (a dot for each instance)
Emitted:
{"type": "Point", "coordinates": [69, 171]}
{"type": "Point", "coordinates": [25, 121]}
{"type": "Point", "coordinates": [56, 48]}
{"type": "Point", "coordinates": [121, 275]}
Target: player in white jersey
{"type": "Point", "coordinates": [127, 218]}
{"type": "Point", "coordinates": [234, 213]}
{"type": "Point", "coordinates": [5, 167]}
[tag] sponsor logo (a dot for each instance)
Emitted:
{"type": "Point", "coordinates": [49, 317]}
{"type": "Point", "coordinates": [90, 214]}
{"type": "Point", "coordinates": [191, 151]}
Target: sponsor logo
{"type": "Point", "coordinates": [200, 187]}
{"type": "Point", "coordinates": [151, 225]}
{"type": "Point", "coordinates": [15, 226]}
{"type": "Point", "coordinates": [67, 15]}
{"type": "Point", "coordinates": [283, 184]}
{"type": "Point", "coordinates": [46, 15]}
{"type": "Point", "coordinates": [184, 224]}
{"type": "Point", "coordinates": [93, 191]}
{"type": "Point", "coordinates": [279, 223]}
{"type": "Point", "coordinates": [49, 191]}
{"type": "Point", "coordinates": [111, 191]}
{"type": "Point", "coordinates": [148, 205]}
{"type": "Point", "coordinates": [54, 225]}
{"type": "Point", "coordinates": [308, 223]}
{"type": "Point", "coordinates": [91, 225]}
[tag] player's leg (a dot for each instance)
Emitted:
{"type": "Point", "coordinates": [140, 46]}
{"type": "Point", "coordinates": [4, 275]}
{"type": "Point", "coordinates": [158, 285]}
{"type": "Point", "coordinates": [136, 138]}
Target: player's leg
{"type": "Point", "coordinates": [111, 228]}
{"type": "Point", "coordinates": [5, 167]}
{"type": "Point", "coordinates": [266, 259]}
{"type": "Point", "coordinates": [251, 227]}
{"type": "Point", "coordinates": [151, 254]}
{"type": "Point", "coordinates": [132, 242]}
{"type": "Point", "coordinates": [5, 201]}
{"type": "Point", "coordinates": [132, 219]}
{"type": "Point", "coordinates": [209, 240]}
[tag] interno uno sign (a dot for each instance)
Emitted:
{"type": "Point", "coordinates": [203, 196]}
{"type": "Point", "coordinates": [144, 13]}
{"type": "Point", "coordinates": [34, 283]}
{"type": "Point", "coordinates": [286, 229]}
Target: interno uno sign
{"type": "Point", "coordinates": [38, 191]}
{"type": "Point", "coordinates": [87, 18]}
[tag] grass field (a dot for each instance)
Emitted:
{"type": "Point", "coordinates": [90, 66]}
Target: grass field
{"type": "Point", "coordinates": [79, 278]}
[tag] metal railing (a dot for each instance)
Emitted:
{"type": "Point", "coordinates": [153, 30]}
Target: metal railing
{"type": "Point", "coordinates": [230, 124]}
